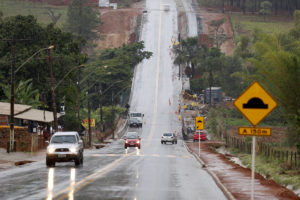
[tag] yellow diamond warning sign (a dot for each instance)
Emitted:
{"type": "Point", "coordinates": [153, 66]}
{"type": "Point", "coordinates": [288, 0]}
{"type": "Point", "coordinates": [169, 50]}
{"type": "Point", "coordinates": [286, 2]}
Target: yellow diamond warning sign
{"type": "Point", "coordinates": [255, 103]}
{"type": "Point", "coordinates": [251, 131]}
{"type": "Point", "coordinates": [199, 123]}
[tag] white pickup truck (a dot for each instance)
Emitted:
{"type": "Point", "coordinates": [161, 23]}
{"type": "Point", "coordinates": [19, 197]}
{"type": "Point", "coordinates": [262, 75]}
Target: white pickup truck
{"type": "Point", "coordinates": [138, 116]}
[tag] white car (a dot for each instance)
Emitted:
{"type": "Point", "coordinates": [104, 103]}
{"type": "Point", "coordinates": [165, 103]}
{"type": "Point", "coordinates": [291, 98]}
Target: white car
{"type": "Point", "coordinates": [65, 147]}
{"type": "Point", "coordinates": [169, 137]}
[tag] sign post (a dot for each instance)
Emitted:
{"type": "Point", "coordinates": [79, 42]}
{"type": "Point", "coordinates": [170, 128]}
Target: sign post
{"type": "Point", "coordinates": [199, 124]}
{"type": "Point", "coordinates": [255, 104]}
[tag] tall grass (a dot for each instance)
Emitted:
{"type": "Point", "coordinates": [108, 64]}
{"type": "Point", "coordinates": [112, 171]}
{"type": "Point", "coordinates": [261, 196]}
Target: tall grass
{"type": "Point", "coordinates": [39, 10]}
{"type": "Point", "coordinates": [245, 24]}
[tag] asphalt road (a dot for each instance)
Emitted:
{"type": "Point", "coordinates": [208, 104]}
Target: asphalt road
{"type": "Point", "coordinates": [156, 171]}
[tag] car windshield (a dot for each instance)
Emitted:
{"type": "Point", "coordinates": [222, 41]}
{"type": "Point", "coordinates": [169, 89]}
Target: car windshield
{"type": "Point", "coordinates": [132, 136]}
{"type": "Point", "coordinates": [135, 114]}
{"type": "Point", "coordinates": [168, 134]}
{"type": "Point", "coordinates": [63, 139]}
{"type": "Point", "coordinates": [201, 133]}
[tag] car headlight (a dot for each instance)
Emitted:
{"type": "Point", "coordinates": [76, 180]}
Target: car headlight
{"type": "Point", "coordinates": [138, 142]}
{"type": "Point", "coordinates": [73, 150]}
{"type": "Point", "coordinates": [51, 150]}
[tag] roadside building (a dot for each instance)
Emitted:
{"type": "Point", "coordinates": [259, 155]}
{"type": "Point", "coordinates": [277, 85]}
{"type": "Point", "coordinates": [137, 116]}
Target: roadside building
{"type": "Point", "coordinates": [30, 125]}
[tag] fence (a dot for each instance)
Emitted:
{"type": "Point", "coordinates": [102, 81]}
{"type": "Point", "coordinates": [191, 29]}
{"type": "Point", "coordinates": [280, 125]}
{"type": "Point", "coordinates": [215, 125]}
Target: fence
{"type": "Point", "coordinates": [291, 158]}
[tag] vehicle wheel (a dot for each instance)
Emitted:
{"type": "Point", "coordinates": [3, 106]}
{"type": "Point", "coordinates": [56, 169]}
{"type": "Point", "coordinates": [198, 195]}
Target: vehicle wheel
{"type": "Point", "coordinates": [81, 160]}
{"type": "Point", "coordinates": [125, 147]}
{"type": "Point", "coordinates": [175, 142]}
{"type": "Point", "coordinates": [50, 163]}
{"type": "Point", "coordinates": [77, 161]}
{"type": "Point", "coordinates": [165, 142]}
{"type": "Point", "coordinates": [172, 142]}
{"type": "Point", "coordinates": [161, 142]}
{"type": "Point", "coordinates": [139, 146]}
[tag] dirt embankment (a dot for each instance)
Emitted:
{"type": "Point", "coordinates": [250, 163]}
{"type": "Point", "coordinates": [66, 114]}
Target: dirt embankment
{"type": "Point", "coordinates": [209, 14]}
{"type": "Point", "coordinates": [119, 26]}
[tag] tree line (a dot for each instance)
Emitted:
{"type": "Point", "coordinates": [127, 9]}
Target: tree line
{"type": "Point", "coordinates": [254, 6]}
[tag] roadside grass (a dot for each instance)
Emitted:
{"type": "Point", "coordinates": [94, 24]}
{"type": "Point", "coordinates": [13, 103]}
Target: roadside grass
{"type": "Point", "coordinates": [244, 122]}
{"type": "Point", "coordinates": [238, 122]}
{"type": "Point", "coordinates": [39, 10]}
{"type": "Point", "coordinates": [281, 172]}
{"type": "Point", "coordinates": [245, 24]}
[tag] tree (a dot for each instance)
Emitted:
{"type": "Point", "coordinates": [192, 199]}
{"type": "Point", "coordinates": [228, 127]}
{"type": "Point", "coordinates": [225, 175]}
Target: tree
{"type": "Point", "coordinates": [277, 58]}
{"type": "Point", "coordinates": [265, 8]}
{"type": "Point", "coordinates": [186, 53]}
{"type": "Point", "coordinates": [65, 55]}
{"type": "Point", "coordinates": [115, 79]}
{"type": "Point", "coordinates": [24, 93]}
{"type": "Point", "coordinates": [52, 15]}
{"type": "Point", "coordinates": [83, 20]}
{"type": "Point", "coordinates": [218, 35]}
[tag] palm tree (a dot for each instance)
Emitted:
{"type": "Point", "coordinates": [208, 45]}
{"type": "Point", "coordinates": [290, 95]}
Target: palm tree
{"type": "Point", "coordinates": [24, 93]}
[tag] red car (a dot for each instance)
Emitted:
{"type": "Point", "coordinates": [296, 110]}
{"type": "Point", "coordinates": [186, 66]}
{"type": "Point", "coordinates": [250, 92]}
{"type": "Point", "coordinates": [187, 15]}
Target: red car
{"type": "Point", "coordinates": [202, 136]}
{"type": "Point", "coordinates": [132, 139]}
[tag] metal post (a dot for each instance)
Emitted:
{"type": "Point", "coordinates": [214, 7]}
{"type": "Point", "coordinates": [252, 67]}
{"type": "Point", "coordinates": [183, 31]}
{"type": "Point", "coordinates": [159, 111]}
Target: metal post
{"type": "Point", "coordinates": [199, 144]}
{"type": "Point", "coordinates": [52, 91]}
{"type": "Point", "coordinates": [210, 85]}
{"type": "Point", "coordinates": [101, 110]}
{"type": "Point", "coordinates": [89, 116]}
{"type": "Point", "coordinates": [253, 168]}
{"type": "Point", "coordinates": [112, 111]}
{"type": "Point", "coordinates": [12, 100]}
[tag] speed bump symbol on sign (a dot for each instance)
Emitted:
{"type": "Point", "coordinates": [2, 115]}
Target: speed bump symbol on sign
{"type": "Point", "coordinates": [199, 123]}
{"type": "Point", "coordinates": [255, 103]}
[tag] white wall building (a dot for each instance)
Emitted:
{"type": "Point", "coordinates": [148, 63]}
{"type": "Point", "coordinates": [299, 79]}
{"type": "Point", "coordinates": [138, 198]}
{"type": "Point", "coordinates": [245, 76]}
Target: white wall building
{"type": "Point", "coordinates": [105, 3]}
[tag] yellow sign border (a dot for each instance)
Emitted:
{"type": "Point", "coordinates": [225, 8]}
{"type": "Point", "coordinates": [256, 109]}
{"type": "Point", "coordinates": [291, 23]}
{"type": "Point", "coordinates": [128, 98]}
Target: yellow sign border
{"type": "Point", "coordinates": [255, 82]}
{"type": "Point", "coordinates": [202, 124]}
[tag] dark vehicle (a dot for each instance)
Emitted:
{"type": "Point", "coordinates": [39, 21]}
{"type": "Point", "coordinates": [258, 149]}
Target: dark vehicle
{"type": "Point", "coordinates": [65, 147]}
{"type": "Point", "coordinates": [133, 122]}
{"type": "Point", "coordinates": [169, 137]}
{"type": "Point", "coordinates": [132, 139]}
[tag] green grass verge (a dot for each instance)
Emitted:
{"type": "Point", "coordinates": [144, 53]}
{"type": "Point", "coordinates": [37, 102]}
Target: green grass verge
{"type": "Point", "coordinates": [280, 172]}
{"type": "Point", "coordinates": [39, 10]}
{"type": "Point", "coordinates": [245, 122]}
{"type": "Point", "coordinates": [247, 23]}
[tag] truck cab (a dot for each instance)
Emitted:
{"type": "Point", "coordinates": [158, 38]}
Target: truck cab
{"type": "Point", "coordinates": [138, 116]}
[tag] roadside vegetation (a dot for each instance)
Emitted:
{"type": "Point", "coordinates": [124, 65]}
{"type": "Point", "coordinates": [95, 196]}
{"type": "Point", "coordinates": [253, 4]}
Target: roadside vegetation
{"type": "Point", "coordinates": [281, 172]}
{"type": "Point", "coordinates": [266, 52]}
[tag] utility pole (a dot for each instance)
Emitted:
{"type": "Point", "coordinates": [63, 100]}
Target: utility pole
{"type": "Point", "coordinates": [78, 98]}
{"type": "Point", "coordinates": [12, 94]}
{"type": "Point", "coordinates": [52, 90]}
{"type": "Point", "coordinates": [89, 116]}
{"type": "Point", "coordinates": [100, 106]}
{"type": "Point", "coordinates": [113, 113]}
{"type": "Point", "coordinates": [12, 99]}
